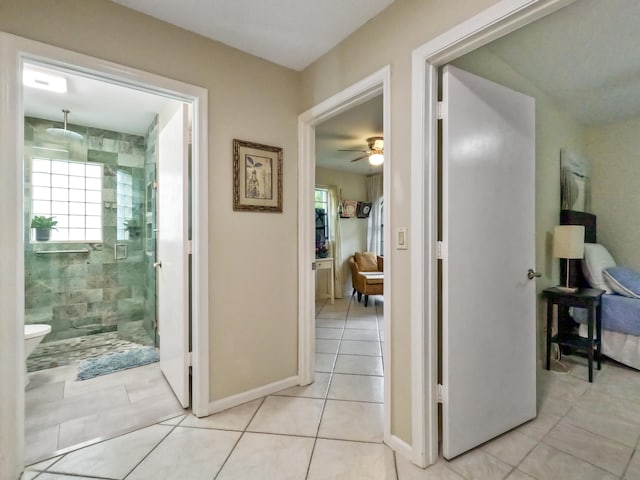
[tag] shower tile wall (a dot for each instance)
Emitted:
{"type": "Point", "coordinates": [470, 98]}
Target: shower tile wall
{"type": "Point", "coordinates": [84, 294]}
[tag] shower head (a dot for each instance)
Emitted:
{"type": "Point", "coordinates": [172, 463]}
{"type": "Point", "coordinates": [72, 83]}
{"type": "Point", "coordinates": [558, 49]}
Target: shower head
{"type": "Point", "coordinates": [63, 132]}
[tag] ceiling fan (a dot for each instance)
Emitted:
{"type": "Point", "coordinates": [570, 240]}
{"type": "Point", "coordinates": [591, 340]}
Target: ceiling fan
{"type": "Point", "coordinates": [375, 153]}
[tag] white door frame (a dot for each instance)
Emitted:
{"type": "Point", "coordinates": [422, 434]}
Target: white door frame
{"type": "Point", "coordinates": [499, 20]}
{"type": "Point", "coordinates": [375, 84]}
{"type": "Point", "coordinates": [14, 51]}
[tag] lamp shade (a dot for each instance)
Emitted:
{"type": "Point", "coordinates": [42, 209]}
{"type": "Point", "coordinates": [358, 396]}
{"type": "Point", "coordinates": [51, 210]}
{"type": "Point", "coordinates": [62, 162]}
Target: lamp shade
{"type": "Point", "coordinates": [568, 241]}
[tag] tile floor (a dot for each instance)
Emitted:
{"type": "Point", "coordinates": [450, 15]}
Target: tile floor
{"type": "Point", "coordinates": [58, 353]}
{"type": "Point", "coordinates": [333, 428]}
{"type": "Point", "coordinates": [61, 412]}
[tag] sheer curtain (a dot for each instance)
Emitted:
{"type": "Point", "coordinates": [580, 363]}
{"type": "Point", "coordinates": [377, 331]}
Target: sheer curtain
{"type": "Point", "coordinates": [336, 241]}
{"type": "Point", "coordinates": [374, 195]}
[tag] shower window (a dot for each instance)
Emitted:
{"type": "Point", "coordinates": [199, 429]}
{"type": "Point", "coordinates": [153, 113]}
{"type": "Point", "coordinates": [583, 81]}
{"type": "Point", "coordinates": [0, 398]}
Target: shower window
{"type": "Point", "coordinates": [124, 184]}
{"type": "Point", "coordinates": [71, 192]}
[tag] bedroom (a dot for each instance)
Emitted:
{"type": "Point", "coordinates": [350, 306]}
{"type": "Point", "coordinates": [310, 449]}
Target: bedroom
{"type": "Point", "coordinates": [591, 107]}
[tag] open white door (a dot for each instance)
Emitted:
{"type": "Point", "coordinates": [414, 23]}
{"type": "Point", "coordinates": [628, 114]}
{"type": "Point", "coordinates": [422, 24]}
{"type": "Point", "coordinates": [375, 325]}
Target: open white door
{"type": "Point", "coordinates": [488, 342]}
{"type": "Point", "coordinates": [172, 237]}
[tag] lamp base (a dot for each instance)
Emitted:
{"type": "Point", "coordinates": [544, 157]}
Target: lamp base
{"type": "Point", "coordinates": [564, 289]}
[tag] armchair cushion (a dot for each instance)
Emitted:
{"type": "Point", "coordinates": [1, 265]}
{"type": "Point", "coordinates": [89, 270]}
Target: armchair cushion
{"type": "Point", "coordinates": [367, 261]}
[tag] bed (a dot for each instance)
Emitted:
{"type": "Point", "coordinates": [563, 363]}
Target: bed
{"type": "Point", "coordinates": [620, 314]}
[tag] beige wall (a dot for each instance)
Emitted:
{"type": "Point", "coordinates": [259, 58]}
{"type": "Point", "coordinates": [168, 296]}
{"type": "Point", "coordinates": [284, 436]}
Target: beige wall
{"type": "Point", "coordinates": [253, 331]}
{"type": "Point", "coordinates": [555, 129]}
{"type": "Point", "coordinates": [353, 231]}
{"type": "Point", "coordinates": [389, 39]}
{"type": "Point", "coordinates": [614, 151]}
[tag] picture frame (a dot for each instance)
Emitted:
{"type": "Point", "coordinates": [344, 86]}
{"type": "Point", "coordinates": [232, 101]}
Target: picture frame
{"type": "Point", "coordinates": [363, 210]}
{"type": "Point", "coordinates": [349, 208]}
{"type": "Point", "coordinates": [257, 177]}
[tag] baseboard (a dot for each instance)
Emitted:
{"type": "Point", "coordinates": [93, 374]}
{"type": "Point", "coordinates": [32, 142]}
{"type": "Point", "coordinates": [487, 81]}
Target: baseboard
{"type": "Point", "coordinates": [400, 446]}
{"type": "Point", "coordinates": [244, 397]}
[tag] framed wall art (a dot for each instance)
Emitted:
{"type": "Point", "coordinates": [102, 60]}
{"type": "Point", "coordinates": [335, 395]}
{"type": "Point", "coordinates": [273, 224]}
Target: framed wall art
{"type": "Point", "coordinates": [257, 177]}
{"type": "Point", "coordinates": [349, 208]}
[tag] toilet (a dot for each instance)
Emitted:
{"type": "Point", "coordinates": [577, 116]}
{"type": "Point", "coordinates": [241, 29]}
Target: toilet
{"type": "Point", "coordinates": [33, 335]}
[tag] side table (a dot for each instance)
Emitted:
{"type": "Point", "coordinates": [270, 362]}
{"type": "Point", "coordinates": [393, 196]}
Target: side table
{"type": "Point", "coordinates": [588, 298]}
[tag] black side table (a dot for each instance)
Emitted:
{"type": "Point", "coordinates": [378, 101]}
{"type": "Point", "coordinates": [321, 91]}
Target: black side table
{"type": "Point", "coordinates": [588, 298]}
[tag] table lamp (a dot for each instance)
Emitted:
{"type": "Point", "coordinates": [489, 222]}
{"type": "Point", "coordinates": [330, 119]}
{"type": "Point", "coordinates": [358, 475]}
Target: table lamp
{"type": "Point", "coordinates": [568, 243]}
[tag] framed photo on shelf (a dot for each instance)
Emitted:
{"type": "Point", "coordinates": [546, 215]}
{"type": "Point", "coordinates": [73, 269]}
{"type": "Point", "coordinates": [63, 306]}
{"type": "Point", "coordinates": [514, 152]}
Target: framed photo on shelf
{"type": "Point", "coordinates": [349, 208]}
{"type": "Point", "coordinates": [364, 208]}
{"type": "Point", "coordinates": [257, 177]}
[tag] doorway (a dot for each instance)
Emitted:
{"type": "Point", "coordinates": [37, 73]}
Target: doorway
{"type": "Point", "coordinates": [18, 53]}
{"type": "Point", "coordinates": [93, 282]}
{"type": "Point", "coordinates": [375, 85]}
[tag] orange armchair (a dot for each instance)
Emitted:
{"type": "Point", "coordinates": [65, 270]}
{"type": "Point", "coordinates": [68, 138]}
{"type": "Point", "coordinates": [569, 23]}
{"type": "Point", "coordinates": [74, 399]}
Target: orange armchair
{"type": "Point", "coordinates": [367, 275]}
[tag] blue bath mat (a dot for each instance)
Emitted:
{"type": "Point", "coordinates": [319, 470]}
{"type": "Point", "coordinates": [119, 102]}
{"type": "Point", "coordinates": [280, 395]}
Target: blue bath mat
{"type": "Point", "coordinates": [114, 362]}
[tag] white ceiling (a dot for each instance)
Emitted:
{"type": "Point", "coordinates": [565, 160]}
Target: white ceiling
{"type": "Point", "coordinates": [349, 130]}
{"type": "Point", "coordinates": [95, 103]}
{"type": "Point", "coordinates": [292, 33]}
{"type": "Point", "coordinates": [585, 56]}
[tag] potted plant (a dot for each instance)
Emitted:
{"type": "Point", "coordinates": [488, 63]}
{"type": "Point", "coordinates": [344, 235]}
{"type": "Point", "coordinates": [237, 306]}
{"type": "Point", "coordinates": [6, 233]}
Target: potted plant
{"type": "Point", "coordinates": [134, 227]}
{"type": "Point", "coordinates": [43, 226]}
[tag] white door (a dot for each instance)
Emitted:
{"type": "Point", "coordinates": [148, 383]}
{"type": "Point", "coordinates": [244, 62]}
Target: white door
{"type": "Point", "coordinates": [172, 237]}
{"type": "Point", "coordinates": [489, 357]}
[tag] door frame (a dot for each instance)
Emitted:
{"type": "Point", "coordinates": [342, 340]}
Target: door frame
{"type": "Point", "coordinates": [497, 21]}
{"type": "Point", "coordinates": [14, 51]}
{"type": "Point", "coordinates": [373, 85]}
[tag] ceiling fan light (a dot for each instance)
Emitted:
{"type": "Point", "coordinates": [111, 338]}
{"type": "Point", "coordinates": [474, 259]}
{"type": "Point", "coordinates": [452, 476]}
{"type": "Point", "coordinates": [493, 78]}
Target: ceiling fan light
{"type": "Point", "coordinates": [378, 144]}
{"type": "Point", "coordinates": [376, 159]}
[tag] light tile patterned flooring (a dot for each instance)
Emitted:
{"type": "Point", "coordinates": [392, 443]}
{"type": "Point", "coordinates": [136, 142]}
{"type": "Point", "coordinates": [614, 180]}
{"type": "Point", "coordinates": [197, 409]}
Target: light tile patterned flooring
{"type": "Point", "coordinates": [333, 428]}
{"type": "Point", "coordinates": [61, 412]}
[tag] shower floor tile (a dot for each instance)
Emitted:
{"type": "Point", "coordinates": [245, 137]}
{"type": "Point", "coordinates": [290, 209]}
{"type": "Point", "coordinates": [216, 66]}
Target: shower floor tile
{"type": "Point", "coordinates": [59, 353]}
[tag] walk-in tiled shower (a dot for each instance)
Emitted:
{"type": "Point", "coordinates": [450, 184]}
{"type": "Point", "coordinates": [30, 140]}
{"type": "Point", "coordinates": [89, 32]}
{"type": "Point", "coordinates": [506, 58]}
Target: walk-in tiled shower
{"type": "Point", "coordinates": [93, 281]}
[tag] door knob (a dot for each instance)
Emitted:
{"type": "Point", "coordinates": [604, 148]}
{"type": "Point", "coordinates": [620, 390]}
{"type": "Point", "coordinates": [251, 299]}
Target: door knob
{"type": "Point", "coordinates": [157, 265]}
{"type": "Point", "coordinates": [531, 274]}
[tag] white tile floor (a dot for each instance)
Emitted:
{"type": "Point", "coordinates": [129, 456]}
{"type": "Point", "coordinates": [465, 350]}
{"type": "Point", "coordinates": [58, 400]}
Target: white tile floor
{"type": "Point", "coordinates": [61, 412]}
{"type": "Point", "coordinates": [333, 428]}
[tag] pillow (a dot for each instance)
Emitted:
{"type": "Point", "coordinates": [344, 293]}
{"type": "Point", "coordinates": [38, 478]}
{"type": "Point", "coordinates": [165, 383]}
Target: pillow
{"type": "Point", "coordinates": [623, 281]}
{"type": "Point", "coordinates": [596, 259]}
{"type": "Point", "coordinates": [367, 262]}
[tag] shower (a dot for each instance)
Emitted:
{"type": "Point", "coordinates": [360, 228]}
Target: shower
{"type": "Point", "coordinates": [64, 132]}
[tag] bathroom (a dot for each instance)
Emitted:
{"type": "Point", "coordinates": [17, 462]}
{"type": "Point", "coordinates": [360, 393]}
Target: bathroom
{"type": "Point", "coordinates": [91, 155]}
{"type": "Point", "coordinates": [98, 294]}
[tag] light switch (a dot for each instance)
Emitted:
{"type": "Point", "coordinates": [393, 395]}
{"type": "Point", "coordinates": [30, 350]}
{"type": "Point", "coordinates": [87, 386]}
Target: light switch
{"type": "Point", "coordinates": [401, 239]}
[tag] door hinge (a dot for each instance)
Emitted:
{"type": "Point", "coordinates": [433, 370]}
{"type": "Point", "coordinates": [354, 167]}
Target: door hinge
{"type": "Point", "coordinates": [439, 109]}
{"type": "Point", "coordinates": [439, 250]}
{"type": "Point", "coordinates": [189, 247]}
{"type": "Point", "coordinates": [189, 359]}
{"type": "Point", "coordinates": [154, 185]}
{"type": "Point", "coordinates": [440, 393]}
{"type": "Point", "coordinates": [313, 266]}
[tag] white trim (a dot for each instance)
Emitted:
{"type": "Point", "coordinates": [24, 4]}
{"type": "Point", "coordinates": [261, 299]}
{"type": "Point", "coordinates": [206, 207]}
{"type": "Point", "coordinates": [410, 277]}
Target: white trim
{"type": "Point", "coordinates": [400, 446]}
{"type": "Point", "coordinates": [494, 22]}
{"type": "Point", "coordinates": [14, 50]}
{"type": "Point", "coordinates": [367, 88]}
{"type": "Point", "coordinates": [244, 397]}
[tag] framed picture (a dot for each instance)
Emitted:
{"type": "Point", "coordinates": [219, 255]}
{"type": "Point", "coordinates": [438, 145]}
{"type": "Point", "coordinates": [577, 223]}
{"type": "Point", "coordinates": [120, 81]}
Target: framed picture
{"type": "Point", "coordinates": [364, 208]}
{"type": "Point", "coordinates": [257, 177]}
{"type": "Point", "coordinates": [349, 208]}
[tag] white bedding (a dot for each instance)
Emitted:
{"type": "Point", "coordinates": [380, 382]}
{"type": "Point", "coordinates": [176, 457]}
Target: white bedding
{"type": "Point", "coordinates": [621, 347]}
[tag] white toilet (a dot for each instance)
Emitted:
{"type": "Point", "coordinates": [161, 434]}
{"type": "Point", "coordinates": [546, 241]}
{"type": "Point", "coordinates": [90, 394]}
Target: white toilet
{"type": "Point", "coordinates": [33, 335]}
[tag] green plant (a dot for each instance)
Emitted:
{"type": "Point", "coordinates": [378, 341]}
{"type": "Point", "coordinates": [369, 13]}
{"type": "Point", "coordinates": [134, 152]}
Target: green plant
{"type": "Point", "coordinates": [42, 222]}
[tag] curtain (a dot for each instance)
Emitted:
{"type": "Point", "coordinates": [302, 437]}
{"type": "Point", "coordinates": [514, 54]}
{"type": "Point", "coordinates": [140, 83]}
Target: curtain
{"type": "Point", "coordinates": [336, 240]}
{"type": "Point", "coordinates": [374, 195]}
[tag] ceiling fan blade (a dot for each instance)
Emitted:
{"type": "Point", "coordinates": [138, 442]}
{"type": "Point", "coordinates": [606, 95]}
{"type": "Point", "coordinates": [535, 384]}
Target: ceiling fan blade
{"type": "Point", "coordinates": [360, 158]}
